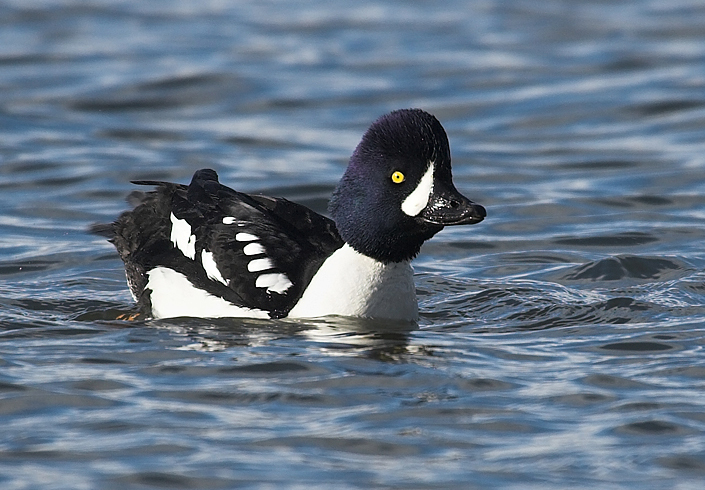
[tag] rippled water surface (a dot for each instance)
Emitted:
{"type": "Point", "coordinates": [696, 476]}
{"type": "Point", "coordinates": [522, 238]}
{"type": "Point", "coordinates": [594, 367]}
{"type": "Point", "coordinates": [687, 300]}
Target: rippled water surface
{"type": "Point", "coordinates": [560, 343]}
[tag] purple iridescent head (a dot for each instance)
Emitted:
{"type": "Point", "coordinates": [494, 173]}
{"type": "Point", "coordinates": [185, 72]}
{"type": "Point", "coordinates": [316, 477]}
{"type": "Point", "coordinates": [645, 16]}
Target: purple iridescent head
{"type": "Point", "coordinates": [398, 189]}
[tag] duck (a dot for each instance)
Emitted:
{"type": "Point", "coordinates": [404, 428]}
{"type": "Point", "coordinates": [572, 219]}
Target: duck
{"type": "Point", "coordinates": [206, 250]}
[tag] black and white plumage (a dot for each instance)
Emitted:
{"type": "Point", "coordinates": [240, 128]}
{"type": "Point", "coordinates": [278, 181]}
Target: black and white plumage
{"type": "Point", "coordinates": [206, 250]}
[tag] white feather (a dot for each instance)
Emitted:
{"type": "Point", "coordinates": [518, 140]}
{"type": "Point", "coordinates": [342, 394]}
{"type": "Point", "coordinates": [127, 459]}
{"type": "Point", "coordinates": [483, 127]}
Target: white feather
{"type": "Point", "coordinates": [211, 267]}
{"type": "Point", "coordinates": [418, 199]}
{"type": "Point", "coordinates": [257, 265]}
{"type": "Point", "coordinates": [182, 238]}
{"type": "Point", "coordinates": [245, 237]}
{"type": "Point", "coordinates": [253, 249]}
{"type": "Point", "coordinates": [173, 295]}
{"type": "Point", "coordinates": [276, 282]}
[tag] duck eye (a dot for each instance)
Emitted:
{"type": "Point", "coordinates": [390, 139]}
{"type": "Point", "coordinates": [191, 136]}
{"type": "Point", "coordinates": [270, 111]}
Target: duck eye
{"type": "Point", "coordinates": [398, 177]}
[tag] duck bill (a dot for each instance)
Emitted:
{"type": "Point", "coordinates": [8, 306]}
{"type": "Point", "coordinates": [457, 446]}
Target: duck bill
{"type": "Point", "coordinates": [447, 206]}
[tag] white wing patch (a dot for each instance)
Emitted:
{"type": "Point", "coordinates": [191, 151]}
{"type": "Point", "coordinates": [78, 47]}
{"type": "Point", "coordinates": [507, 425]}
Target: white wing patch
{"type": "Point", "coordinates": [229, 220]}
{"type": "Point", "coordinates": [253, 249]}
{"type": "Point", "coordinates": [277, 283]}
{"type": "Point", "coordinates": [182, 238]}
{"type": "Point", "coordinates": [173, 295]}
{"type": "Point", "coordinates": [260, 265]}
{"type": "Point", "coordinates": [418, 199]}
{"type": "Point", "coordinates": [211, 267]}
{"type": "Point", "coordinates": [245, 237]}
{"type": "Point", "coordinates": [274, 282]}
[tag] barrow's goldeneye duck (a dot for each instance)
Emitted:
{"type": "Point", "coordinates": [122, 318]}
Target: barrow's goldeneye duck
{"type": "Point", "coordinates": [205, 250]}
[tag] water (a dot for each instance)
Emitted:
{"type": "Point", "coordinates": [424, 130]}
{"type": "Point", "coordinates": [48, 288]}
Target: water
{"type": "Point", "coordinates": [560, 343]}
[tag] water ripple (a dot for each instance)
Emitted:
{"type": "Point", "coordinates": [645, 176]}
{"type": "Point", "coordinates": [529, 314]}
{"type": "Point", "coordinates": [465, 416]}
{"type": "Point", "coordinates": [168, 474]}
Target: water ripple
{"type": "Point", "coordinates": [560, 340]}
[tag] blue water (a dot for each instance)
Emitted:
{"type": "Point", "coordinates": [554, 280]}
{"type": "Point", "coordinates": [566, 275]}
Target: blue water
{"type": "Point", "coordinates": [561, 340]}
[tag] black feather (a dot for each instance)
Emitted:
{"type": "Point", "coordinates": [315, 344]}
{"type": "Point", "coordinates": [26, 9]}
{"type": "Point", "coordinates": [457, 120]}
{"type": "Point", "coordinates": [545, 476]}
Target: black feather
{"type": "Point", "coordinates": [296, 239]}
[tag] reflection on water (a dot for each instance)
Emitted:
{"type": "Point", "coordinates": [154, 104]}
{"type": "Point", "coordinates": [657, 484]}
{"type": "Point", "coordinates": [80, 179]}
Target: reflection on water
{"type": "Point", "coordinates": [559, 343]}
{"type": "Point", "coordinates": [369, 338]}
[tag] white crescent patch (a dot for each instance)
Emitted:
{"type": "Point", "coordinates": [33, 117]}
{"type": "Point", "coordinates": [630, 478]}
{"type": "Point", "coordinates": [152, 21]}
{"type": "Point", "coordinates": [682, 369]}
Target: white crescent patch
{"type": "Point", "coordinates": [418, 199]}
{"type": "Point", "coordinates": [211, 267]}
{"type": "Point", "coordinates": [182, 238]}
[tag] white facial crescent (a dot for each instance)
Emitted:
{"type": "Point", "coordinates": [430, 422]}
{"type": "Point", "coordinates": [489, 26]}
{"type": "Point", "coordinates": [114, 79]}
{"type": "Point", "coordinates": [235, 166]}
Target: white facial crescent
{"type": "Point", "coordinates": [418, 199]}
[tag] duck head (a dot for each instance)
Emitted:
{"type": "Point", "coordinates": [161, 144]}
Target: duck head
{"type": "Point", "coordinates": [398, 191]}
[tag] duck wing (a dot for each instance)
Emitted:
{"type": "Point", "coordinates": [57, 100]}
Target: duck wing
{"type": "Point", "coordinates": [254, 252]}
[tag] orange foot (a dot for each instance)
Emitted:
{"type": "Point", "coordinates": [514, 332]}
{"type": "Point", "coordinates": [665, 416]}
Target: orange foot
{"type": "Point", "coordinates": [128, 317]}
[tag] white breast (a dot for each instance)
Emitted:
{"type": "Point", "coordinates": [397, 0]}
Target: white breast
{"type": "Point", "coordinates": [351, 284]}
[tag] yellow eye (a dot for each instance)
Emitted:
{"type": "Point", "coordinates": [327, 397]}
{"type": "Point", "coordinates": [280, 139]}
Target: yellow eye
{"type": "Point", "coordinates": [398, 177]}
